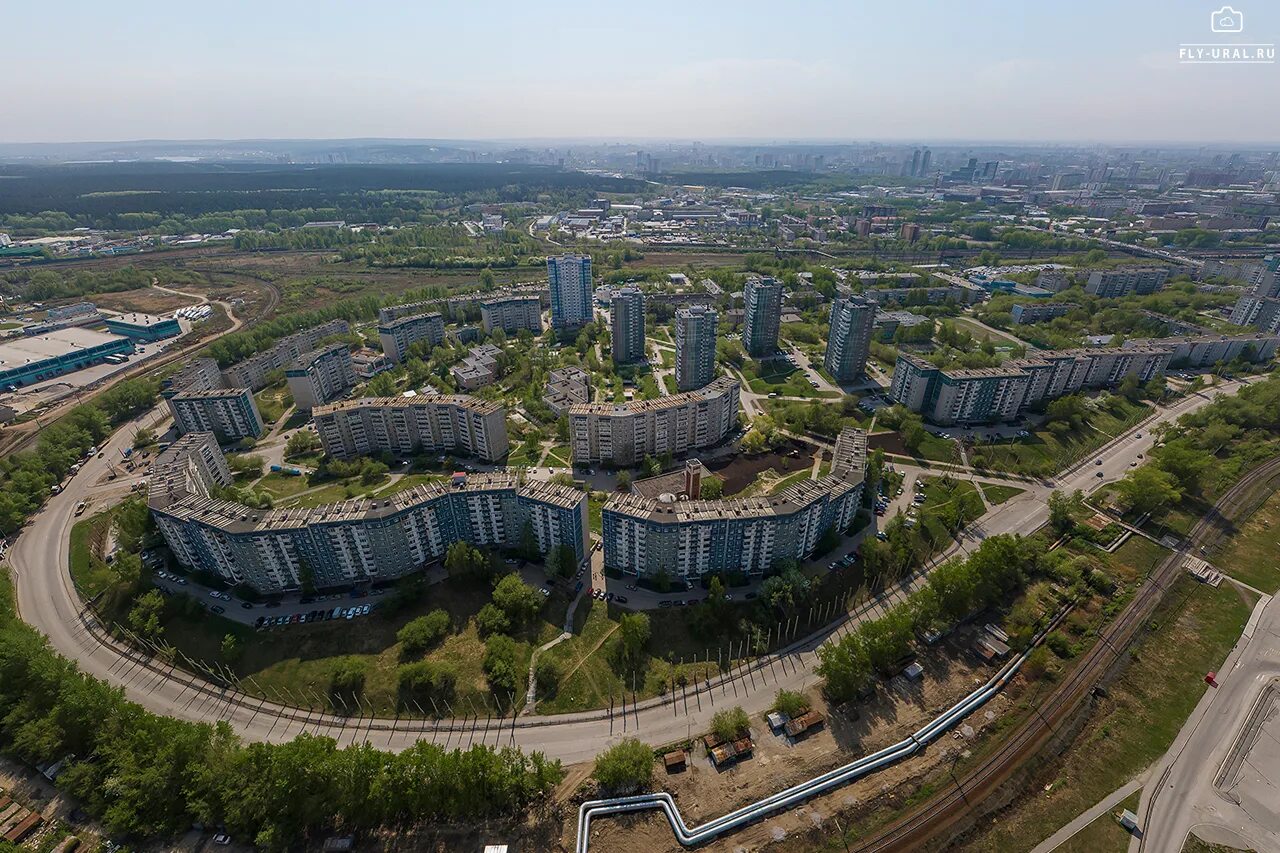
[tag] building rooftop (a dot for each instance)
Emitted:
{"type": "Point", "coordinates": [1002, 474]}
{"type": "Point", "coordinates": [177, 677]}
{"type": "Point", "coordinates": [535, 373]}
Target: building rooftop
{"type": "Point", "coordinates": [462, 401]}
{"type": "Point", "coordinates": [210, 394]}
{"type": "Point", "coordinates": [716, 387]}
{"type": "Point", "coordinates": [410, 319]}
{"type": "Point", "coordinates": [307, 359]}
{"type": "Point", "coordinates": [16, 352]}
{"type": "Point", "coordinates": [136, 319]}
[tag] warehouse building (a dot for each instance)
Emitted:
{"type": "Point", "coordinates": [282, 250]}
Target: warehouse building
{"type": "Point", "coordinates": [356, 541]}
{"type": "Point", "coordinates": [403, 426]}
{"type": "Point", "coordinates": [34, 359]}
{"type": "Point", "coordinates": [144, 327]}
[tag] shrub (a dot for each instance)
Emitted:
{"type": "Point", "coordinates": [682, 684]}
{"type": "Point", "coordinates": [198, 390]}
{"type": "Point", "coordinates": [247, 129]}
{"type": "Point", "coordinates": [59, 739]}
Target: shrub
{"type": "Point", "coordinates": [730, 723]}
{"type": "Point", "coordinates": [490, 620]}
{"type": "Point", "coordinates": [791, 703]}
{"type": "Point", "coordinates": [347, 678]}
{"type": "Point", "coordinates": [422, 633]}
{"type": "Point", "coordinates": [547, 675]}
{"type": "Point", "coordinates": [626, 766]}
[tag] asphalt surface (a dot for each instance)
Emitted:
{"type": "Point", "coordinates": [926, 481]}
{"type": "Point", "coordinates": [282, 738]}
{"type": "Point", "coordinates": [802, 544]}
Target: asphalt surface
{"type": "Point", "coordinates": [1194, 790]}
{"type": "Point", "coordinates": [47, 600]}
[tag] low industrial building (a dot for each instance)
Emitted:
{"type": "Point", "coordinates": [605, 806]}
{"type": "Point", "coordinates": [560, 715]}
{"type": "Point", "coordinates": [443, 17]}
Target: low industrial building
{"type": "Point", "coordinates": [449, 423]}
{"type": "Point", "coordinates": [567, 387]}
{"type": "Point", "coordinates": [34, 359]}
{"type": "Point", "coordinates": [356, 541]}
{"type": "Point", "coordinates": [144, 327]}
{"type": "Point", "coordinates": [687, 539]}
{"type": "Point", "coordinates": [622, 434]}
{"type": "Point", "coordinates": [229, 413]}
{"type": "Point", "coordinates": [478, 369]}
{"type": "Point", "coordinates": [320, 376]}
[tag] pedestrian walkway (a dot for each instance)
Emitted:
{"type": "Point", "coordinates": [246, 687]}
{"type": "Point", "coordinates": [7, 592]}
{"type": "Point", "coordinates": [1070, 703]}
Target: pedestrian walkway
{"type": "Point", "coordinates": [1109, 802]}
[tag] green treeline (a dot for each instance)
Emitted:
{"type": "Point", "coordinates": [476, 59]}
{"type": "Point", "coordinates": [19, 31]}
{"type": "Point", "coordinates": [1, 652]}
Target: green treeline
{"type": "Point", "coordinates": [145, 775]}
{"type": "Point", "coordinates": [27, 478]}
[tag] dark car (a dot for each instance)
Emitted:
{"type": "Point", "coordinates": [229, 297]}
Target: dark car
{"type": "Point", "coordinates": [245, 605]}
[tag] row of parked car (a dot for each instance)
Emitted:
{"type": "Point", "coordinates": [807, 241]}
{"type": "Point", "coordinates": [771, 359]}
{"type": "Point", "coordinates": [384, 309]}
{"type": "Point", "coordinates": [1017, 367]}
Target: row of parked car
{"type": "Point", "coordinates": [264, 622]}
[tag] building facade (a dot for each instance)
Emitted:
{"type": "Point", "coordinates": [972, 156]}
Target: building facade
{"type": "Point", "coordinates": [403, 332]}
{"type": "Point", "coordinates": [762, 299]}
{"type": "Point", "coordinates": [1038, 312]}
{"type": "Point", "coordinates": [1260, 312]}
{"type": "Point", "coordinates": [627, 324]}
{"type": "Point", "coordinates": [1125, 281]}
{"type": "Point", "coordinates": [144, 327]}
{"type": "Point", "coordinates": [511, 313]}
{"type": "Point", "coordinates": [356, 541]}
{"type": "Point", "coordinates": [320, 376]}
{"type": "Point", "coordinates": [1196, 351]}
{"type": "Point", "coordinates": [570, 279]}
{"type": "Point", "coordinates": [404, 426]}
{"type": "Point", "coordinates": [478, 369]}
{"type": "Point", "coordinates": [695, 347]}
{"type": "Point", "coordinates": [689, 539]}
{"type": "Point", "coordinates": [989, 395]}
{"type": "Point", "coordinates": [849, 340]}
{"type": "Point", "coordinates": [622, 434]}
{"type": "Point", "coordinates": [252, 373]}
{"type": "Point", "coordinates": [229, 413]}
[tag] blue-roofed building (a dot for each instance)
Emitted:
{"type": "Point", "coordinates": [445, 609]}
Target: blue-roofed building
{"type": "Point", "coordinates": [144, 327]}
{"type": "Point", "coordinates": [33, 359]}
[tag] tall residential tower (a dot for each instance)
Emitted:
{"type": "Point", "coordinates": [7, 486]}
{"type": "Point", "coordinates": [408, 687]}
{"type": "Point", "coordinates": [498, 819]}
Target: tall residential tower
{"type": "Point", "coordinates": [763, 299]}
{"type": "Point", "coordinates": [627, 309]}
{"type": "Point", "coordinates": [695, 347]}
{"type": "Point", "coordinates": [570, 278]}
{"type": "Point", "coordinates": [849, 341]}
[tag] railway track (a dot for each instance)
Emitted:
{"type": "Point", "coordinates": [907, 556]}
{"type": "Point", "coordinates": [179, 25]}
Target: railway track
{"type": "Point", "coordinates": [915, 830]}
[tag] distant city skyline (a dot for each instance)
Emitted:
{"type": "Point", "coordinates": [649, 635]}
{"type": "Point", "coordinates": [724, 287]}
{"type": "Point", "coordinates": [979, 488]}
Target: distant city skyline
{"type": "Point", "coordinates": [749, 71]}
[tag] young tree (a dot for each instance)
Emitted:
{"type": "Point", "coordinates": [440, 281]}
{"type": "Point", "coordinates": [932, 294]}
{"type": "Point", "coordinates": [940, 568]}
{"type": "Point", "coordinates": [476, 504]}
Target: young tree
{"type": "Point", "coordinates": [625, 767]}
{"type": "Point", "coordinates": [730, 723]}
{"type": "Point", "coordinates": [422, 633]}
{"type": "Point", "coordinates": [144, 617]}
{"type": "Point", "coordinates": [519, 601]}
{"type": "Point", "coordinates": [300, 443]}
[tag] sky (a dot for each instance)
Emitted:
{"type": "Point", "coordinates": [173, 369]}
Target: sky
{"type": "Point", "coordinates": [773, 70]}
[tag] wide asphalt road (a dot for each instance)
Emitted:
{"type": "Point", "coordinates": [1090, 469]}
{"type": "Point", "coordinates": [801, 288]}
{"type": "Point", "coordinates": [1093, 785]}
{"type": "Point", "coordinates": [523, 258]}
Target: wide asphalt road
{"type": "Point", "coordinates": [47, 601]}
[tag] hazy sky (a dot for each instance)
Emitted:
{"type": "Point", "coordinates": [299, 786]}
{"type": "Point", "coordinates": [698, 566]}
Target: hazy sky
{"type": "Point", "coordinates": [781, 69]}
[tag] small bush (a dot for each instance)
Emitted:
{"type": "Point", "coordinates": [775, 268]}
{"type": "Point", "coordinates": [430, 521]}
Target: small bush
{"type": "Point", "coordinates": [627, 766]}
{"type": "Point", "coordinates": [791, 703]}
{"type": "Point", "coordinates": [422, 633]}
{"type": "Point", "coordinates": [729, 723]}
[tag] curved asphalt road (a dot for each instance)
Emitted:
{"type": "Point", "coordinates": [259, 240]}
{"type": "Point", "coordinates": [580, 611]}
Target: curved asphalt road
{"type": "Point", "coordinates": [47, 601]}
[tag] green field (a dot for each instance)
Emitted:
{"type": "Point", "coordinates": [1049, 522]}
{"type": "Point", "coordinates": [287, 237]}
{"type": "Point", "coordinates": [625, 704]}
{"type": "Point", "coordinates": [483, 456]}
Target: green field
{"type": "Point", "coordinates": [559, 456]}
{"type": "Point", "coordinates": [1045, 453]}
{"type": "Point", "coordinates": [1253, 554]}
{"type": "Point", "coordinates": [1105, 834]}
{"type": "Point", "coordinates": [778, 377]}
{"type": "Point", "coordinates": [1136, 722]}
{"type": "Point", "coordinates": [282, 485]}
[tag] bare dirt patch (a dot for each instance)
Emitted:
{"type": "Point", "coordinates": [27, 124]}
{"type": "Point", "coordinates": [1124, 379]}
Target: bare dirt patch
{"type": "Point", "coordinates": [899, 708]}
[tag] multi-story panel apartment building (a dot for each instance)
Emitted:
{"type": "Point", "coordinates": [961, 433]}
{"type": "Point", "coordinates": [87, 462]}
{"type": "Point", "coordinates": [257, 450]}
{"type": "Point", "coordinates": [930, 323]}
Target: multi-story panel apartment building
{"type": "Point", "coordinates": [1004, 393]}
{"type": "Point", "coordinates": [689, 539]}
{"type": "Point", "coordinates": [570, 280]}
{"type": "Point", "coordinates": [512, 312]}
{"type": "Point", "coordinates": [925, 295]}
{"type": "Point", "coordinates": [1260, 312]}
{"type": "Point", "coordinates": [849, 342]}
{"type": "Point", "coordinates": [762, 316]}
{"type": "Point", "coordinates": [1125, 281]}
{"type": "Point", "coordinates": [622, 434]}
{"type": "Point", "coordinates": [1195, 351]}
{"type": "Point", "coordinates": [320, 376]}
{"type": "Point", "coordinates": [1038, 312]}
{"type": "Point", "coordinates": [404, 426]}
{"type": "Point", "coordinates": [252, 373]}
{"type": "Point", "coordinates": [403, 332]}
{"type": "Point", "coordinates": [695, 347]}
{"type": "Point", "coordinates": [354, 541]}
{"type": "Point", "coordinates": [198, 374]}
{"type": "Point", "coordinates": [229, 413]}
{"type": "Point", "coordinates": [1053, 279]}
{"type": "Point", "coordinates": [627, 324]}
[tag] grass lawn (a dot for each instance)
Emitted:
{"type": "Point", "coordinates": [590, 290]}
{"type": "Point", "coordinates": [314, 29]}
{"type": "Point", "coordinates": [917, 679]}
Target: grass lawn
{"type": "Point", "coordinates": [1105, 834]}
{"type": "Point", "coordinates": [1046, 453]}
{"type": "Point", "coordinates": [1250, 555]}
{"type": "Point", "coordinates": [408, 481]}
{"type": "Point", "coordinates": [777, 376]}
{"type": "Point", "coordinates": [334, 492]}
{"type": "Point", "coordinates": [526, 454]}
{"type": "Point", "coordinates": [999, 494]}
{"type": "Point", "coordinates": [9, 324]}
{"type": "Point", "coordinates": [273, 403]}
{"type": "Point", "coordinates": [282, 485]}
{"type": "Point", "coordinates": [559, 456]}
{"type": "Point", "coordinates": [1135, 723]}
{"type": "Point", "coordinates": [595, 512]}
{"type": "Point", "coordinates": [669, 379]}
{"type": "Point", "coordinates": [1196, 844]}
{"type": "Point", "coordinates": [89, 575]}
{"type": "Point", "coordinates": [668, 358]}
{"type": "Point", "coordinates": [790, 480]}
{"type": "Point", "coordinates": [301, 659]}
